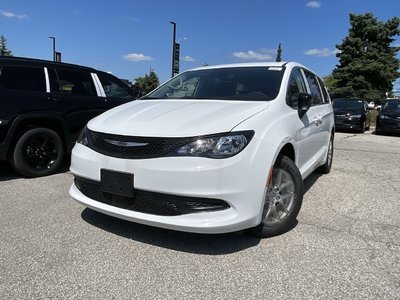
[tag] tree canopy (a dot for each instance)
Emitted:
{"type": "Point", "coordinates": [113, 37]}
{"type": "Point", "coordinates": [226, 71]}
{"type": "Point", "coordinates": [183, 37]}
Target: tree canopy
{"type": "Point", "coordinates": [3, 47]}
{"type": "Point", "coordinates": [279, 53]}
{"type": "Point", "coordinates": [147, 83]}
{"type": "Point", "coordinates": [368, 65]}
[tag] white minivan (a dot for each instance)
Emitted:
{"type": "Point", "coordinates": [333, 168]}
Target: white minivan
{"type": "Point", "coordinates": [215, 149]}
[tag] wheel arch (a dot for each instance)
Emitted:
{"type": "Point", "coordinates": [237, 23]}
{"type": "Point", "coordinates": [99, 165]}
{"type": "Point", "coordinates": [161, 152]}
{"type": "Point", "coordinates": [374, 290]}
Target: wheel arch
{"type": "Point", "coordinates": [25, 122]}
{"type": "Point", "coordinates": [288, 150]}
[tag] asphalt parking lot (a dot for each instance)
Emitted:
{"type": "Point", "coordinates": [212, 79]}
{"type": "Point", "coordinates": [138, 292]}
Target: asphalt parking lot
{"type": "Point", "coordinates": [346, 243]}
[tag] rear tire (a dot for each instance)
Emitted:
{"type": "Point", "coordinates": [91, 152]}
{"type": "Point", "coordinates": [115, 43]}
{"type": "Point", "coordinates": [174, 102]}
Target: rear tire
{"type": "Point", "coordinates": [326, 167]}
{"type": "Point", "coordinates": [282, 200]}
{"type": "Point", "coordinates": [38, 152]}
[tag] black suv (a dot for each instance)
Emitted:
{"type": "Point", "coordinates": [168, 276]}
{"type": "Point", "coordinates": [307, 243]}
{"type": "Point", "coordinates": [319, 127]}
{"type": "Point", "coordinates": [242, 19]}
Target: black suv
{"type": "Point", "coordinates": [351, 114]}
{"type": "Point", "coordinates": [43, 107]}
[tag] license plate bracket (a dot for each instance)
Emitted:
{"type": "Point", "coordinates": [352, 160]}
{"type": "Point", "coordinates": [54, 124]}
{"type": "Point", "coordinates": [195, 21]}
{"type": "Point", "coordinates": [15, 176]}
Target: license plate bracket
{"type": "Point", "coordinates": [117, 183]}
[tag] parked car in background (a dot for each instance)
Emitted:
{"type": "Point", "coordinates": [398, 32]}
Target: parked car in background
{"type": "Point", "coordinates": [215, 149]}
{"type": "Point", "coordinates": [388, 119]}
{"type": "Point", "coordinates": [45, 105]}
{"type": "Point", "coordinates": [351, 114]}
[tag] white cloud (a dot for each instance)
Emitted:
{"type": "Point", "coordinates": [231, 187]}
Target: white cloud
{"type": "Point", "coordinates": [325, 52]}
{"type": "Point", "coordinates": [137, 57]}
{"type": "Point", "coordinates": [8, 14]}
{"type": "Point", "coordinates": [188, 58]}
{"type": "Point", "coordinates": [313, 4]}
{"type": "Point", "coordinates": [253, 55]}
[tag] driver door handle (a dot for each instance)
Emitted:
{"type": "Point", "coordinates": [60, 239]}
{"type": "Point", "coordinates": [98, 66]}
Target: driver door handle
{"type": "Point", "coordinates": [318, 120]}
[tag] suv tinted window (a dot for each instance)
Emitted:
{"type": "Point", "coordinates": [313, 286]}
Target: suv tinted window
{"type": "Point", "coordinates": [77, 83]}
{"type": "Point", "coordinates": [295, 87]}
{"type": "Point", "coordinates": [314, 87]}
{"type": "Point", "coordinates": [115, 88]}
{"type": "Point", "coordinates": [23, 78]}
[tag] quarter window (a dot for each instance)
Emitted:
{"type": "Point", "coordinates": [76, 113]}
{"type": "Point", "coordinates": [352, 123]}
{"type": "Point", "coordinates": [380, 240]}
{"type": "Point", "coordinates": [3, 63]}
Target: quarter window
{"type": "Point", "coordinates": [23, 78]}
{"type": "Point", "coordinates": [314, 87]}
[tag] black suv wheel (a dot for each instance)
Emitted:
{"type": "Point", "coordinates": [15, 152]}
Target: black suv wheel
{"type": "Point", "coordinates": [38, 152]}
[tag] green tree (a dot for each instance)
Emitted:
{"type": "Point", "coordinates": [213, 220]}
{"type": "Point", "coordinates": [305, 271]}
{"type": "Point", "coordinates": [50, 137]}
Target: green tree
{"type": "Point", "coordinates": [3, 47]}
{"type": "Point", "coordinates": [147, 83]}
{"type": "Point", "coordinates": [368, 65]}
{"type": "Point", "coordinates": [330, 83]}
{"type": "Point", "coordinates": [279, 53]}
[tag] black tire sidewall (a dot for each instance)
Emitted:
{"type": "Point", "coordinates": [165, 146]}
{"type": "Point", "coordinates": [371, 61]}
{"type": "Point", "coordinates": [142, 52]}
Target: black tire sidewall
{"type": "Point", "coordinates": [326, 167]}
{"type": "Point", "coordinates": [18, 162]}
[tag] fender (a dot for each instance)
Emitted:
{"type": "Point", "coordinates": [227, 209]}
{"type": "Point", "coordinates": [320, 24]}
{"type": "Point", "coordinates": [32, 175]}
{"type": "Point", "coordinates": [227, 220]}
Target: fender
{"type": "Point", "coordinates": [35, 119]}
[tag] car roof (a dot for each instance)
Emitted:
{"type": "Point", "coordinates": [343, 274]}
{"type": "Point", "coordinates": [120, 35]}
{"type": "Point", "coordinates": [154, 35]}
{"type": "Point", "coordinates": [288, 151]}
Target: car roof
{"type": "Point", "coordinates": [252, 64]}
{"type": "Point", "coordinates": [26, 61]}
{"type": "Point", "coordinates": [348, 99]}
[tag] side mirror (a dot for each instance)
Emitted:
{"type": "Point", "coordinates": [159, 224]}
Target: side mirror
{"type": "Point", "coordinates": [304, 102]}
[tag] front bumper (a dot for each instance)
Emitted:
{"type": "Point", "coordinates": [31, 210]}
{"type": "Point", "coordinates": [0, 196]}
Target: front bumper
{"type": "Point", "coordinates": [348, 123]}
{"type": "Point", "coordinates": [239, 182]}
{"type": "Point", "coordinates": [388, 125]}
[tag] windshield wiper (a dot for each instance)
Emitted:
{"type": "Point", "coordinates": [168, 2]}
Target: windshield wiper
{"type": "Point", "coordinates": [148, 98]}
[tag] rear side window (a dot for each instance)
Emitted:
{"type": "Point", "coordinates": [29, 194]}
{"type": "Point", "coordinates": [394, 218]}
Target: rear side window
{"type": "Point", "coordinates": [115, 88]}
{"type": "Point", "coordinates": [324, 91]}
{"type": "Point", "coordinates": [76, 83]}
{"type": "Point", "coordinates": [54, 83]}
{"type": "Point", "coordinates": [314, 87]}
{"type": "Point", "coordinates": [23, 78]}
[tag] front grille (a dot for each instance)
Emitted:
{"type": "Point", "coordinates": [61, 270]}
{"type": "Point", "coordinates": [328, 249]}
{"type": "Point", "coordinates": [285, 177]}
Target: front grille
{"type": "Point", "coordinates": [150, 202]}
{"type": "Point", "coordinates": [133, 147]}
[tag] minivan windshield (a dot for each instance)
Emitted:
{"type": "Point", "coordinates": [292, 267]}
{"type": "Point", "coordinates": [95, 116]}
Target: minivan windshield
{"type": "Point", "coordinates": [392, 105]}
{"type": "Point", "coordinates": [231, 83]}
{"type": "Point", "coordinates": [348, 104]}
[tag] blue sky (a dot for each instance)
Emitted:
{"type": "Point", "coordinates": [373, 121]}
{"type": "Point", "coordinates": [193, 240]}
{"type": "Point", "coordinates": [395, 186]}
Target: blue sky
{"type": "Point", "coordinates": [128, 37]}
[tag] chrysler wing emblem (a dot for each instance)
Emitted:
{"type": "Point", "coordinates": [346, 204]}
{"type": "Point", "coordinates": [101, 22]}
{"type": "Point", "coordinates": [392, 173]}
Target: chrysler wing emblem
{"type": "Point", "coordinates": [125, 144]}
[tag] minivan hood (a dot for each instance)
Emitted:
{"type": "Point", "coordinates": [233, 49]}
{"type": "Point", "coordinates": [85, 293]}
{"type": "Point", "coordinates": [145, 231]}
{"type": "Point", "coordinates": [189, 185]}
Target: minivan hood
{"type": "Point", "coordinates": [175, 118]}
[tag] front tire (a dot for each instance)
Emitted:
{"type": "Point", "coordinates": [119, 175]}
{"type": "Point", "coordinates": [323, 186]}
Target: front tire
{"type": "Point", "coordinates": [38, 152]}
{"type": "Point", "coordinates": [363, 126]}
{"type": "Point", "coordinates": [282, 200]}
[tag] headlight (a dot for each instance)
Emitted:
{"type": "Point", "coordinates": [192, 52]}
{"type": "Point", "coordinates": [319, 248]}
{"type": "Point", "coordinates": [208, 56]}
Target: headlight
{"type": "Point", "coordinates": [383, 117]}
{"type": "Point", "coordinates": [83, 137]}
{"type": "Point", "coordinates": [355, 116]}
{"type": "Point", "coordinates": [218, 146]}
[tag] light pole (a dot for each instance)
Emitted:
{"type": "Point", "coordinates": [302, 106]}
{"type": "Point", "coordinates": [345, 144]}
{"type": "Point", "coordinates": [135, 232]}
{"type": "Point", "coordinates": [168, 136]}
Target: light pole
{"type": "Point", "coordinates": [173, 48]}
{"type": "Point", "coordinates": [54, 47]}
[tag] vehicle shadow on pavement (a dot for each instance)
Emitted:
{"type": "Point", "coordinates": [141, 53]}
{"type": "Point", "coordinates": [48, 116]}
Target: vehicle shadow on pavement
{"type": "Point", "coordinates": [215, 244]}
{"type": "Point", "coordinates": [8, 173]}
{"type": "Point", "coordinates": [311, 180]}
{"type": "Point", "coordinates": [209, 244]}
